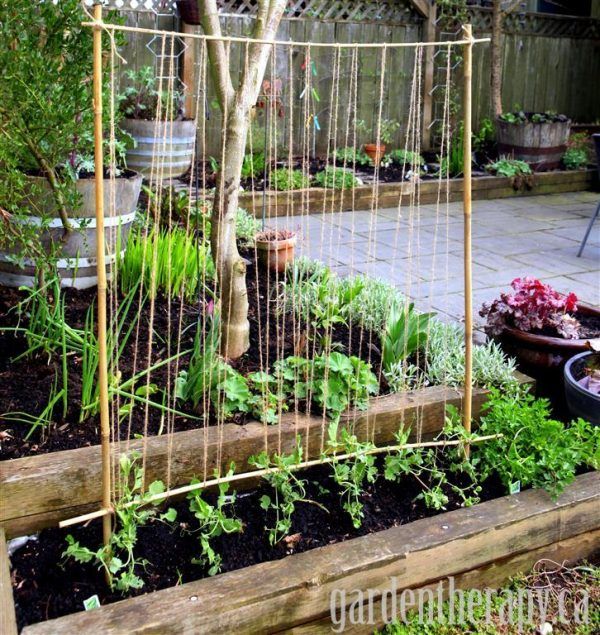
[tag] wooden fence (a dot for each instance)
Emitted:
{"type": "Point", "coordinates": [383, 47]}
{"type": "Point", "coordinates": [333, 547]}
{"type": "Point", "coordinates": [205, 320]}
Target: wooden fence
{"type": "Point", "coordinates": [550, 63]}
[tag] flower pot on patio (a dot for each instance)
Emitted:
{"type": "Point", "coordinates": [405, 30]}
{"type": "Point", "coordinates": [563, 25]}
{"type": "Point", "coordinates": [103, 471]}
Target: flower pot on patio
{"type": "Point", "coordinates": [276, 248]}
{"type": "Point", "coordinates": [163, 149]}
{"type": "Point", "coordinates": [375, 152]}
{"type": "Point", "coordinates": [537, 138]}
{"type": "Point", "coordinates": [582, 389]}
{"type": "Point", "coordinates": [76, 264]}
{"type": "Point", "coordinates": [543, 352]}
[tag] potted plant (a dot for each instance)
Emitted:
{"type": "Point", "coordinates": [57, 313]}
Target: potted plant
{"type": "Point", "coordinates": [539, 326]}
{"type": "Point", "coordinates": [382, 134]}
{"type": "Point", "coordinates": [163, 138]}
{"type": "Point", "coordinates": [47, 148]}
{"type": "Point", "coordinates": [539, 138]}
{"type": "Point", "coordinates": [276, 248]}
{"type": "Point", "coordinates": [582, 386]}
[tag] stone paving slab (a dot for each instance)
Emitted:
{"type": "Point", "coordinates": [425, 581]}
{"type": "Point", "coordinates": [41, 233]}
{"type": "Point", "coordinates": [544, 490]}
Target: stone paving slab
{"type": "Point", "coordinates": [536, 235]}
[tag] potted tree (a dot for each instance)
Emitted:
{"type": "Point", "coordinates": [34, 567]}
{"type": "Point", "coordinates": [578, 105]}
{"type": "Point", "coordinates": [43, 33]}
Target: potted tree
{"type": "Point", "coordinates": [539, 326]}
{"type": "Point", "coordinates": [276, 248]}
{"type": "Point", "coordinates": [163, 138]}
{"type": "Point", "coordinates": [382, 135]}
{"type": "Point", "coordinates": [46, 148]}
{"type": "Point", "coordinates": [582, 386]}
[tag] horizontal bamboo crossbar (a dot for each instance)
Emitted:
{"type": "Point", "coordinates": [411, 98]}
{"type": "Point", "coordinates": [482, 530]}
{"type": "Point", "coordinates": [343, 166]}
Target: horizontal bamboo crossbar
{"type": "Point", "coordinates": [303, 465]}
{"type": "Point", "coordinates": [249, 40]}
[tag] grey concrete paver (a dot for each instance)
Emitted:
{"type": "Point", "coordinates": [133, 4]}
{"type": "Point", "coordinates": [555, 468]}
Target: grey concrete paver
{"type": "Point", "coordinates": [515, 237]}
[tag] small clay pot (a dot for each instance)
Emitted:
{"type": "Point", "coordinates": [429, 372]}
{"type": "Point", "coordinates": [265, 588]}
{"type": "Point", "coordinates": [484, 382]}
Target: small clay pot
{"type": "Point", "coordinates": [375, 152]}
{"type": "Point", "coordinates": [275, 254]}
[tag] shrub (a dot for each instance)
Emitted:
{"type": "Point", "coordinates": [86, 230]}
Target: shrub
{"type": "Point", "coordinates": [575, 158]}
{"type": "Point", "coordinates": [284, 179]}
{"type": "Point", "coordinates": [445, 360]}
{"type": "Point", "coordinates": [336, 178]}
{"type": "Point", "coordinates": [533, 307]}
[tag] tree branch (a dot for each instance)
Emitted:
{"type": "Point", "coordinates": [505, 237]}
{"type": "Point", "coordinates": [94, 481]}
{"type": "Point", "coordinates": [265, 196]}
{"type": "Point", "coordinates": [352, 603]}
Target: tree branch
{"type": "Point", "coordinates": [217, 53]}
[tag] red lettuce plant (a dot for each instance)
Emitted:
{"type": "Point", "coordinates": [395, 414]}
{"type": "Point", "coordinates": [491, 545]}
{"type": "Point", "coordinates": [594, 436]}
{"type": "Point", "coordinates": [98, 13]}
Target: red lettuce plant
{"type": "Point", "coordinates": [534, 306]}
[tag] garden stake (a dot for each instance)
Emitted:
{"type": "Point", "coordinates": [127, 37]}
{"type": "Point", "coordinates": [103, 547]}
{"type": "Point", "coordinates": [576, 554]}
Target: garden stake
{"type": "Point", "coordinates": [101, 272]}
{"type": "Point", "coordinates": [468, 71]}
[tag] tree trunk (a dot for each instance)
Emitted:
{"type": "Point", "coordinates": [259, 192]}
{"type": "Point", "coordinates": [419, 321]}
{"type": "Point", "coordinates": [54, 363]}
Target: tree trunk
{"type": "Point", "coordinates": [231, 268]}
{"type": "Point", "coordinates": [496, 62]}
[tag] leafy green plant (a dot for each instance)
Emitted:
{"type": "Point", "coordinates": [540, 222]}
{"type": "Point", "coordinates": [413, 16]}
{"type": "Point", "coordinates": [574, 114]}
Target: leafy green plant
{"type": "Point", "coordinates": [349, 156]}
{"type": "Point", "coordinates": [334, 382]}
{"type": "Point", "coordinates": [132, 511]}
{"type": "Point", "coordinates": [432, 467]}
{"type": "Point", "coordinates": [485, 136]}
{"type": "Point", "coordinates": [385, 128]}
{"type": "Point", "coordinates": [521, 117]}
{"type": "Point", "coordinates": [407, 158]}
{"type": "Point", "coordinates": [534, 449]}
{"type": "Point", "coordinates": [405, 333]}
{"type": "Point", "coordinates": [351, 474]}
{"type": "Point", "coordinates": [246, 227]}
{"type": "Point", "coordinates": [509, 168]}
{"type": "Point", "coordinates": [452, 164]}
{"type": "Point", "coordinates": [253, 165]}
{"type": "Point", "coordinates": [284, 179]}
{"type": "Point", "coordinates": [182, 265]}
{"type": "Point", "coordinates": [336, 178]}
{"type": "Point", "coordinates": [213, 522]}
{"type": "Point", "coordinates": [46, 122]}
{"type": "Point", "coordinates": [289, 490]}
{"type": "Point", "coordinates": [145, 98]}
{"type": "Point", "coordinates": [575, 158]}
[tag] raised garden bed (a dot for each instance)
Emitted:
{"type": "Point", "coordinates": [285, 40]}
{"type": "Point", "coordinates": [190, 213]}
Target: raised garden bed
{"type": "Point", "coordinates": [319, 200]}
{"type": "Point", "coordinates": [39, 491]}
{"type": "Point", "coordinates": [480, 546]}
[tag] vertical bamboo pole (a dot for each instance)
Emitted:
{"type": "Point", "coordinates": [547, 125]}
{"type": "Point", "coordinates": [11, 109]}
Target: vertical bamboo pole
{"type": "Point", "coordinates": [467, 125]}
{"type": "Point", "coordinates": [101, 273]}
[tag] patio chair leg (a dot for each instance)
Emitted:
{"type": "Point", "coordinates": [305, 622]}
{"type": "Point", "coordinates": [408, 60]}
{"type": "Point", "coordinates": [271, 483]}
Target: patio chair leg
{"type": "Point", "coordinates": [588, 230]}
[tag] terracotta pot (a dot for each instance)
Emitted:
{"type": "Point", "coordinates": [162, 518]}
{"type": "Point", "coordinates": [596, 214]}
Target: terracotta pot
{"type": "Point", "coordinates": [276, 254]}
{"type": "Point", "coordinates": [375, 152]}
{"type": "Point", "coordinates": [541, 352]}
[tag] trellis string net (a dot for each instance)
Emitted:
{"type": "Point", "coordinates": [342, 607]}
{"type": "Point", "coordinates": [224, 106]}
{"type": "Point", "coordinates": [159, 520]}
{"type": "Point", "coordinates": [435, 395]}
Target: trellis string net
{"type": "Point", "coordinates": [165, 327]}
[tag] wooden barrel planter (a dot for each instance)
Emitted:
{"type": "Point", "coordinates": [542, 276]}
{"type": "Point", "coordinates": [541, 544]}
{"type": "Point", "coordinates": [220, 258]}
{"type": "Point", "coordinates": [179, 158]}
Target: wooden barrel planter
{"type": "Point", "coordinates": [542, 145]}
{"type": "Point", "coordinates": [327, 588]}
{"type": "Point", "coordinates": [163, 149]}
{"type": "Point", "coordinates": [76, 264]}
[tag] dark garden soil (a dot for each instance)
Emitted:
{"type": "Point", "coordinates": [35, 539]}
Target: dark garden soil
{"type": "Point", "coordinates": [47, 586]}
{"type": "Point", "coordinates": [25, 384]}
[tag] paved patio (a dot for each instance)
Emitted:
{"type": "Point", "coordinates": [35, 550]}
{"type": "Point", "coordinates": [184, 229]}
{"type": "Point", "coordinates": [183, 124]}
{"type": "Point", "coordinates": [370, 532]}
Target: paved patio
{"type": "Point", "coordinates": [421, 252]}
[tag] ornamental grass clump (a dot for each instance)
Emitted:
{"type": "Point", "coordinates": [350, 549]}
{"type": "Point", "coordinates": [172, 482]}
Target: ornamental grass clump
{"type": "Point", "coordinates": [533, 307]}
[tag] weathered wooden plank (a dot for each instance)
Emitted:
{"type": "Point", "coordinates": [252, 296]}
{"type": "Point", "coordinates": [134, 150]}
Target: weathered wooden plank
{"type": "Point", "coordinates": [319, 200]}
{"type": "Point", "coordinates": [39, 490]}
{"type": "Point", "coordinates": [489, 576]}
{"type": "Point", "coordinates": [8, 621]}
{"type": "Point", "coordinates": [274, 596]}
